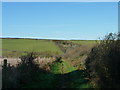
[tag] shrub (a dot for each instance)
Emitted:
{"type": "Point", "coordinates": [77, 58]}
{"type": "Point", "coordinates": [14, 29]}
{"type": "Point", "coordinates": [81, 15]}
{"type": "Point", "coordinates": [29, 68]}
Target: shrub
{"type": "Point", "coordinates": [103, 62]}
{"type": "Point", "coordinates": [23, 73]}
{"type": "Point", "coordinates": [27, 68]}
{"type": "Point", "coordinates": [76, 52]}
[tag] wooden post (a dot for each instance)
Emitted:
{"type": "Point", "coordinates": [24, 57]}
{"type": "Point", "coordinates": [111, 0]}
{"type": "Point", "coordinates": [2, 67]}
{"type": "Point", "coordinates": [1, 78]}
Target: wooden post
{"type": "Point", "coordinates": [4, 74]}
{"type": "Point", "coordinates": [5, 63]}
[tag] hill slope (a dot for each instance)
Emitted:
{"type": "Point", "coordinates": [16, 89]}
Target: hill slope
{"type": "Point", "coordinates": [19, 46]}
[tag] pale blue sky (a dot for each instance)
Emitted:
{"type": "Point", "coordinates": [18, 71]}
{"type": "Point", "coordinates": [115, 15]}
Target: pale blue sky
{"type": "Point", "coordinates": [59, 20]}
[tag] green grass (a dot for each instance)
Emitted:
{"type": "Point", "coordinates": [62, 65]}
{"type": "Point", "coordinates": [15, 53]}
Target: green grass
{"type": "Point", "coordinates": [9, 46]}
{"type": "Point", "coordinates": [85, 42]}
{"type": "Point", "coordinates": [76, 78]}
{"type": "Point", "coordinates": [71, 78]}
{"type": "Point", "coordinates": [56, 68]}
{"type": "Point", "coordinates": [16, 47]}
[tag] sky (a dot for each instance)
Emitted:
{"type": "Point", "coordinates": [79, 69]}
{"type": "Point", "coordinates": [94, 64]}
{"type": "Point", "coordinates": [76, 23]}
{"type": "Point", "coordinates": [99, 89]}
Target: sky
{"type": "Point", "coordinates": [59, 20]}
{"type": "Point", "coordinates": [60, 0]}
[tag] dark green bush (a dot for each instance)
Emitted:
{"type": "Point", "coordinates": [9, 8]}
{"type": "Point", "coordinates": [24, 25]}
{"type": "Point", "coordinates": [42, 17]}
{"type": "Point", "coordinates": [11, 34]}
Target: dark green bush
{"type": "Point", "coordinates": [103, 62]}
{"type": "Point", "coordinates": [27, 68]}
{"type": "Point", "coordinates": [23, 73]}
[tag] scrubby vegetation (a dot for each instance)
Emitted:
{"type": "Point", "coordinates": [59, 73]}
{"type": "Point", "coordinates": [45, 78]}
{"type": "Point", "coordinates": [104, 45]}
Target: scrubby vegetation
{"type": "Point", "coordinates": [82, 64]}
{"type": "Point", "coordinates": [24, 72]}
{"type": "Point", "coordinates": [64, 45]}
{"type": "Point", "coordinates": [103, 63]}
{"type": "Point", "coordinates": [28, 74]}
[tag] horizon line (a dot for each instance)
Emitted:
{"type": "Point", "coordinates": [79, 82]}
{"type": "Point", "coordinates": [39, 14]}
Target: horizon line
{"type": "Point", "coordinates": [43, 38]}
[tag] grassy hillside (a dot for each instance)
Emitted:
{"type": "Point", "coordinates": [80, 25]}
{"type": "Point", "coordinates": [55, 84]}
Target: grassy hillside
{"type": "Point", "coordinates": [11, 46]}
{"type": "Point", "coordinates": [17, 47]}
{"type": "Point", "coordinates": [85, 42]}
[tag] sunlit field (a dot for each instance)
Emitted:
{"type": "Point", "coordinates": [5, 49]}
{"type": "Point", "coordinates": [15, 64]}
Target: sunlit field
{"type": "Point", "coordinates": [11, 46]}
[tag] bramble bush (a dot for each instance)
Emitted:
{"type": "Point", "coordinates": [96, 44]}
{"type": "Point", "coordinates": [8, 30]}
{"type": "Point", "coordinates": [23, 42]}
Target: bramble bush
{"type": "Point", "coordinates": [23, 73]}
{"type": "Point", "coordinates": [103, 63]}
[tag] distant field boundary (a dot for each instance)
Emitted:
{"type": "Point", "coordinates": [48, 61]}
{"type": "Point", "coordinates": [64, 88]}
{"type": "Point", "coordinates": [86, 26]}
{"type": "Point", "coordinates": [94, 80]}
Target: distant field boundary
{"type": "Point", "coordinates": [51, 39]}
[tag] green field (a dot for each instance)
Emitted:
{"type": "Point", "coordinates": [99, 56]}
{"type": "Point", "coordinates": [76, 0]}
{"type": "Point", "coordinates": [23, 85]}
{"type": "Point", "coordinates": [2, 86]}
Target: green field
{"type": "Point", "coordinates": [10, 46]}
{"type": "Point", "coordinates": [85, 42]}
{"type": "Point", "coordinates": [17, 47]}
